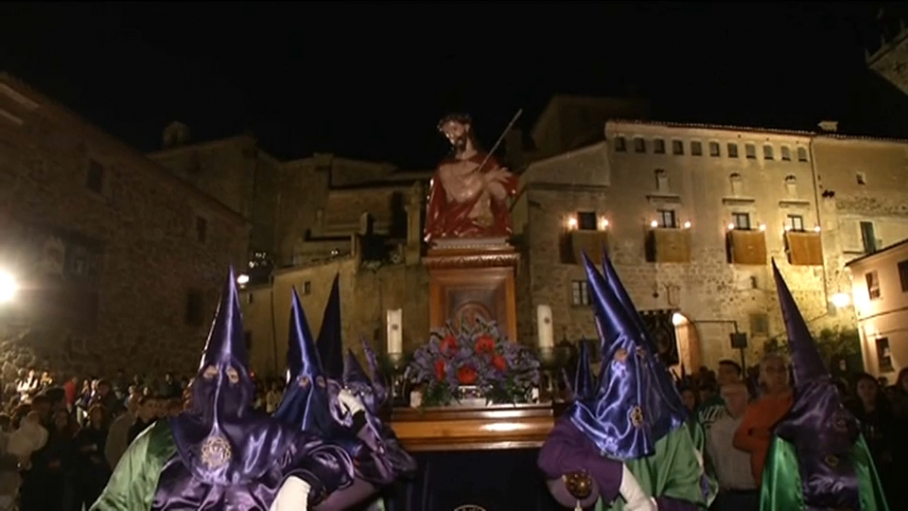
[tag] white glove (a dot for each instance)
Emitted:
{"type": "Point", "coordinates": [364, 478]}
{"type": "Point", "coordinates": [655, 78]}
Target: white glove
{"type": "Point", "coordinates": [634, 497]}
{"type": "Point", "coordinates": [350, 401]}
{"type": "Point", "coordinates": [292, 496]}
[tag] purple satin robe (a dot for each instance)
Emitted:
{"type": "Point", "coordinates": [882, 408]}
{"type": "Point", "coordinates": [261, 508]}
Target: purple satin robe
{"type": "Point", "coordinates": [567, 450]}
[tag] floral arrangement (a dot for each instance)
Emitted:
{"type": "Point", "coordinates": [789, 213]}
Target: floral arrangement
{"type": "Point", "coordinates": [475, 359]}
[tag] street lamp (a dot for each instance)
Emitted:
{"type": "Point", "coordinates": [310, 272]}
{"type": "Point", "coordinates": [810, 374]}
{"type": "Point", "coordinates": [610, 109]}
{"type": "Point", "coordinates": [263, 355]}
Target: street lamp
{"type": "Point", "coordinates": [840, 300]}
{"type": "Point", "coordinates": [8, 287]}
{"type": "Point", "coordinates": [242, 279]}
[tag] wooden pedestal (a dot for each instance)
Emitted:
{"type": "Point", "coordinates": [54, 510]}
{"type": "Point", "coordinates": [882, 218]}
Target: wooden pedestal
{"type": "Point", "coordinates": [473, 279]}
{"type": "Point", "coordinates": [465, 429]}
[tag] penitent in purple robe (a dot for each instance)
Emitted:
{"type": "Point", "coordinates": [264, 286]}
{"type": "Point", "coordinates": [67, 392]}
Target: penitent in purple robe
{"type": "Point", "coordinates": [229, 457]}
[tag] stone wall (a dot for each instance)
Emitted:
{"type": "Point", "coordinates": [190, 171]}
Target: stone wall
{"type": "Point", "coordinates": [146, 222]}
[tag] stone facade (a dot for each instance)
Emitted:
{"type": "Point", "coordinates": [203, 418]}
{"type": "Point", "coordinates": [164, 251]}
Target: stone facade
{"type": "Point", "coordinates": [650, 177]}
{"type": "Point", "coordinates": [890, 59]}
{"type": "Point", "coordinates": [133, 257]}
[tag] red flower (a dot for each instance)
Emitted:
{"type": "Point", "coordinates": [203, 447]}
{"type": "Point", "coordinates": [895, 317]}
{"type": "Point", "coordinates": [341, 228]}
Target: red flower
{"type": "Point", "coordinates": [466, 375]}
{"type": "Point", "coordinates": [485, 344]}
{"type": "Point", "coordinates": [499, 363]}
{"type": "Point", "coordinates": [449, 345]}
{"type": "Point", "coordinates": [440, 370]}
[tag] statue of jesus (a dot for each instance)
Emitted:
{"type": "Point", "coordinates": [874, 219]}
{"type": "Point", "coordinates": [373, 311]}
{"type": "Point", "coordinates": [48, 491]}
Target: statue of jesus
{"type": "Point", "coordinates": [469, 191]}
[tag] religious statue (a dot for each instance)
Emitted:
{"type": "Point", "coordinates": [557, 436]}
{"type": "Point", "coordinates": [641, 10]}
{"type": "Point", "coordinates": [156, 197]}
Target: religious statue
{"type": "Point", "coordinates": [469, 192]}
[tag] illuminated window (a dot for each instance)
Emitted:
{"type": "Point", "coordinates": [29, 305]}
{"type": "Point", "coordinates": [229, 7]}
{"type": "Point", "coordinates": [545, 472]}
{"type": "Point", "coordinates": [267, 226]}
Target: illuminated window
{"type": "Point", "coordinates": [873, 285]}
{"type": "Point", "coordinates": [586, 221]}
{"type": "Point", "coordinates": [741, 221]}
{"type": "Point", "coordinates": [580, 293]}
{"type": "Point", "coordinates": [667, 219]}
{"type": "Point", "coordinates": [796, 223]}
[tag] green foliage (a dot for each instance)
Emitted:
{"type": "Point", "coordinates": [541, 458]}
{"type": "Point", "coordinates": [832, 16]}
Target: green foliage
{"type": "Point", "coordinates": [831, 343]}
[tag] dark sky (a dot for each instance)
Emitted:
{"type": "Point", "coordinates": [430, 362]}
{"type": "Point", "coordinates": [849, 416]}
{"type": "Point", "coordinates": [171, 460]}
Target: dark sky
{"type": "Point", "coordinates": [370, 80]}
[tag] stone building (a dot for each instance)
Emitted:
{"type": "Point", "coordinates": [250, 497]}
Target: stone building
{"type": "Point", "coordinates": [693, 215]}
{"type": "Point", "coordinates": [120, 263]}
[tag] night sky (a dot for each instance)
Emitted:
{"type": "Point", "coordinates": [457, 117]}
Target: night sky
{"type": "Point", "coordinates": [370, 80]}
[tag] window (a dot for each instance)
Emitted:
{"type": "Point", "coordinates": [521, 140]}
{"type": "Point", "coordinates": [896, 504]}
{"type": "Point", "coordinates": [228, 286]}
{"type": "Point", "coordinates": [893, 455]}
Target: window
{"type": "Point", "coordinates": [903, 275]}
{"type": "Point", "coordinates": [661, 181]}
{"type": "Point", "coordinates": [802, 154]}
{"type": "Point", "coordinates": [696, 149]}
{"type": "Point", "coordinates": [732, 150]}
{"type": "Point", "coordinates": [620, 145]}
{"type": "Point", "coordinates": [677, 147]}
{"type": "Point", "coordinates": [586, 220]}
{"type": "Point", "coordinates": [94, 179]}
{"type": "Point", "coordinates": [736, 183]}
{"type": "Point", "coordinates": [861, 178]}
{"type": "Point", "coordinates": [667, 219]}
{"type": "Point", "coordinates": [714, 149]}
{"type": "Point", "coordinates": [580, 293]}
{"type": "Point", "coordinates": [250, 298]}
{"type": "Point", "coordinates": [201, 229]}
{"type": "Point", "coordinates": [759, 324]}
{"type": "Point", "coordinates": [795, 223]}
{"type": "Point", "coordinates": [767, 152]}
{"type": "Point", "coordinates": [791, 185]}
{"type": "Point", "coordinates": [639, 145]}
{"type": "Point", "coordinates": [873, 285]}
{"type": "Point", "coordinates": [868, 237]}
{"type": "Point", "coordinates": [659, 146]}
{"type": "Point", "coordinates": [194, 309]}
{"type": "Point", "coordinates": [786, 153]}
{"type": "Point", "coordinates": [884, 355]}
{"type": "Point", "coordinates": [750, 151]}
{"type": "Point", "coordinates": [247, 340]}
{"type": "Point", "coordinates": [741, 221]}
{"type": "Point", "coordinates": [307, 288]}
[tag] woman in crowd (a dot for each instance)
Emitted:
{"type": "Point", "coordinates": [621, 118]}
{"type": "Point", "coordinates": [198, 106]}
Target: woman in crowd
{"type": "Point", "coordinates": [91, 470]}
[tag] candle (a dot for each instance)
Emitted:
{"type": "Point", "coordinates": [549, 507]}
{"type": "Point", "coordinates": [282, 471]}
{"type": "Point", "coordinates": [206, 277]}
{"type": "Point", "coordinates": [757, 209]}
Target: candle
{"type": "Point", "coordinates": [395, 333]}
{"type": "Point", "coordinates": [544, 325]}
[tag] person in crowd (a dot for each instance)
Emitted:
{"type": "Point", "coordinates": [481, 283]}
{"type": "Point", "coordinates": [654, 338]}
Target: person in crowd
{"type": "Point", "coordinates": [878, 426]}
{"type": "Point", "coordinates": [9, 474]}
{"type": "Point", "coordinates": [91, 468]}
{"type": "Point", "coordinates": [107, 398]}
{"type": "Point", "coordinates": [755, 432]}
{"type": "Point", "coordinates": [713, 406]}
{"type": "Point", "coordinates": [46, 485]}
{"type": "Point", "coordinates": [147, 412]}
{"type": "Point", "coordinates": [27, 439]}
{"type": "Point", "coordinates": [818, 458]}
{"type": "Point", "coordinates": [118, 434]}
{"type": "Point", "coordinates": [71, 388]}
{"type": "Point", "coordinates": [630, 440]}
{"type": "Point", "coordinates": [273, 397]}
{"type": "Point", "coordinates": [205, 459]}
{"type": "Point", "coordinates": [738, 490]}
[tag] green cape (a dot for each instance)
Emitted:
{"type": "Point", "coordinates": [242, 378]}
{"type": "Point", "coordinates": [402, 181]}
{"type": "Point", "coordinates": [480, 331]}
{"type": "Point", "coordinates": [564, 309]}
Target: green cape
{"type": "Point", "coordinates": [782, 479]}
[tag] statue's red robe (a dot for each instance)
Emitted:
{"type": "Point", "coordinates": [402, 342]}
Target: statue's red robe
{"type": "Point", "coordinates": [466, 202]}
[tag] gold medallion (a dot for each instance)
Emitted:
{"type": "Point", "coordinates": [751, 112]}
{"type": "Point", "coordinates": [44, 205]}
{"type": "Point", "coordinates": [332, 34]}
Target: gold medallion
{"type": "Point", "coordinates": [216, 452]}
{"type": "Point", "coordinates": [637, 417]}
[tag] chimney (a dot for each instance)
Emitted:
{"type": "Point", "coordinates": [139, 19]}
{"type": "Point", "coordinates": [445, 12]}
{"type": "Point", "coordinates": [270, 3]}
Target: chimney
{"type": "Point", "coordinates": [829, 126]}
{"type": "Point", "coordinates": [176, 134]}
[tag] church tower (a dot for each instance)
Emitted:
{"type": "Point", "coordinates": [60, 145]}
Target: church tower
{"type": "Point", "coordinates": [890, 59]}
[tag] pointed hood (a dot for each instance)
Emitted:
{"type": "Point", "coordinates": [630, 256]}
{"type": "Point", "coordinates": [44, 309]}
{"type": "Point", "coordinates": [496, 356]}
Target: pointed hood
{"type": "Point", "coordinates": [628, 414]}
{"type": "Point", "coordinates": [305, 401]}
{"type": "Point", "coordinates": [330, 343]}
{"type": "Point", "coordinates": [821, 429]}
{"type": "Point", "coordinates": [666, 387]}
{"type": "Point", "coordinates": [222, 395]}
{"type": "Point", "coordinates": [583, 386]}
{"type": "Point", "coordinates": [378, 379]}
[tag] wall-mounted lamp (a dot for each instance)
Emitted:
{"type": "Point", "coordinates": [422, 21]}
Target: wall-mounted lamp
{"type": "Point", "coordinates": [603, 223]}
{"type": "Point", "coordinates": [654, 224]}
{"type": "Point", "coordinates": [787, 228]}
{"type": "Point", "coordinates": [572, 223]}
{"type": "Point", "coordinates": [816, 228]}
{"type": "Point", "coordinates": [731, 227]}
{"type": "Point", "coordinates": [687, 225]}
{"type": "Point", "coordinates": [242, 279]}
{"type": "Point", "coordinates": [762, 227]}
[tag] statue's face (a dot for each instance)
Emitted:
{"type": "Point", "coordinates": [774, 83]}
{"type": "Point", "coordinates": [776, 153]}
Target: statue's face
{"type": "Point", "coordinates": [457, 133]}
